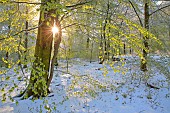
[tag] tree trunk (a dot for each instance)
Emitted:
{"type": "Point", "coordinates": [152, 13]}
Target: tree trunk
{"type": "Point", "coordinates": [91, 53]}
{"type": "Point", "coordinates": [6, 58]}
{"type": "Point", "coordinates": [130, 51]}
{"type": "Point", "coordinates": [124, 48]}
{"type": "Point", "coordinates": [145, 38]}
{"type": "Point", "coordinates": [26, 40]}
{"type": "Point", "coordinates": [43, 65]}
{"type": "Point", "coordinates": [108, 42]}
{"type": "Point", "coordinates": [169, 36]}
{"type": "Point", "coordinates": [7, 53]}
{"type": "Point", "coordinates": [101, 48]}
{"type": "Point", "coordinates": [103, 35]}
{"type": "Point", "coordinates": [88, 41]}
{"type": "Point", "coordinates": [19, 51]}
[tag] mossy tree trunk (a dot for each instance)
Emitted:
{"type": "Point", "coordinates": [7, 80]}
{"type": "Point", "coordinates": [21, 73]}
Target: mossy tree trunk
{"type": "Point", "coordinates": [43, 65]}
{"type": "Point", "coordinates": [145, 38]}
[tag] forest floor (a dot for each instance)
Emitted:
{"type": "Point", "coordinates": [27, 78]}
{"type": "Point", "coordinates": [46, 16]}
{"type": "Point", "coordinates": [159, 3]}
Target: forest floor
{"type": "Point", "coordinates": [96, 88]}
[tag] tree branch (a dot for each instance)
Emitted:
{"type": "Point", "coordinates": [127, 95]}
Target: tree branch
{"type": "Point", "coordinates": [136, 13]}
{"type": "Point", "coordinates": [78, 4]}
{"type": "Point", "coordinates": [65, 15]}
{"type": "Point", "coordinates": [77, 24]}
{"type": "Point", "coordinates": [23, 31]}
{"type": "Point", "coordinates": [70, 25]}
{"type": "Point", "coordinates": [2, 39]}
{"type": "Point", "coordinates": [159, 9]}
{"type": "Point", "coordinates": [38, 3]}
{"type": "Point", "coordinates": [165, 13]}
{"type": "Point", "coordinates": [35, 3]}
{"type": "Point", "coordinates": [27, 30]}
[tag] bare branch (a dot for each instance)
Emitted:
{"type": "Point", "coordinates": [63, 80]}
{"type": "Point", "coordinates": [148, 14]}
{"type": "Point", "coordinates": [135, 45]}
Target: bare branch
{"type": "Point", "coordinates": [165, 13]}
{"type": "Point", "coordinates": [65, 15]}
{"type": "Point", "coordinates": [78, 4]}
{"type": "Point", "coordinates": [23, 31]}
{"type": "Point", "coordinates": [136, 13]}
{"type": "Point", "coordinates": [70, 25]}
{"type": "Point", "coordinates": [159, 9]}
{"type": "Point", "coordinates": [74, 7]}
{"type": "Point", "coordinates": [2, 39]}
{"type": "Point", "coordinates": [38, 3]}
{"type": "Point", "coordinates": [35, 3]}
{"type": "Point", "coordinates": [27, 30]}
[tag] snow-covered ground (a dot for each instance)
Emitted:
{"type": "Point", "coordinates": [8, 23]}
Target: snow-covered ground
{"type": "Point", "coordinates": [85, 89]}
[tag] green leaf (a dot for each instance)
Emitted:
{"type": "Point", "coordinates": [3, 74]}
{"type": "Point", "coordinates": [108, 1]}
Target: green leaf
{"type": "Point", "coordinates": [48, 24]}
{"type": "Point", "coordinates": [19, 78]}
{"type": "Point", "coordinates": [7, 78]}
{"type": "Point", "coordinates": [3, 89]}
{"type": "Point", "coordinates": [16, 102]}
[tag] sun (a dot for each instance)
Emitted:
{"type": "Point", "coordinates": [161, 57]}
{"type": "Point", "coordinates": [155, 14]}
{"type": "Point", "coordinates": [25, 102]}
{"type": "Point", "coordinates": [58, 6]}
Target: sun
{"type": "Point", "coordinates": [55, 30]}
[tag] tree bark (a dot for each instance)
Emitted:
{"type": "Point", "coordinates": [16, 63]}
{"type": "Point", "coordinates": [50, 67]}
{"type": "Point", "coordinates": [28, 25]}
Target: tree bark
{"type": "Point", "coordinates": [26, 40]}
{"type": "Point", "coordinates": [7, 53]}
{"type": "Point", "coordinates": [124, 48]}
{"type": "Point", "coordinates": [43, 65]}
{"type": "Point", "coordinates": [88, 41]}
{"type": "Point", "coordinates": [169, 35]}
{"type": "Point", "coordinates": [103, 35]}
{"type": "Point", "coordinates": [101, 48]}
{"type": "Point", "coordinates": [145, 38]}
{"type": "Point", "coordinates": [91, 53]}
{"type": "Point", "coordinates": [130, 51]}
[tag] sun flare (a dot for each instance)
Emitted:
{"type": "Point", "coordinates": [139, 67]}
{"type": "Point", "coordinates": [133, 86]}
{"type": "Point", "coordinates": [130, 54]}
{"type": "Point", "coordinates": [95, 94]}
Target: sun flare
{"type": "Point", "coordinates": [55, 30]}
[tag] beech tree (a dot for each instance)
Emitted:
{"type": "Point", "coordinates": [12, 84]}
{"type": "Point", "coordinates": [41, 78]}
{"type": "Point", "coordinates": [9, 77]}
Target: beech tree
{"type": "Point", "coordinates": [46, 49]}
{"type": "Point", "coordinates": [43, 65]}
{"type": "Point", "coordinates": [145, 24]}
{"type": "Point", "coordinates": [145, 38]}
